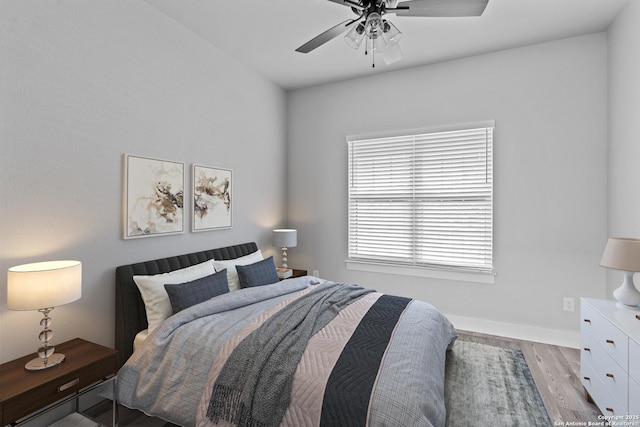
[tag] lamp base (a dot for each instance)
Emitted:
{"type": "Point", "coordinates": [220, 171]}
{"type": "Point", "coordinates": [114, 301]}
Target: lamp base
{"type": "Point", "coordinates": [284, 258]}
{"type": "Point", "coordinates": [38, 364]}
{"type": "Point", "coordinates": [627, 295]}
{"type": "Point", "coordinates": [628, 307]}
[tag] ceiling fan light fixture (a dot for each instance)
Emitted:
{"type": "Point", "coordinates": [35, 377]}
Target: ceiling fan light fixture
{"type": "Point", "coordinates": [382, 33]}
{"type": "Point", "coordinates": [355, 36]}
{"type": "Point", "coordinates": [373, 25]}
{"type": "Point", "coordinates": [392, 54]}
{"type": "Point", "coordinates": [390, 33]}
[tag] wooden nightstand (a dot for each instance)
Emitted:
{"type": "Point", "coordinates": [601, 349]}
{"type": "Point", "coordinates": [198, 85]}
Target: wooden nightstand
{"type": "Point", "coordinates": [25, 395]}
{"type": "Point", "coordinates": [299, 273]}
{"type": "Point", "coordinates": [295, 273]}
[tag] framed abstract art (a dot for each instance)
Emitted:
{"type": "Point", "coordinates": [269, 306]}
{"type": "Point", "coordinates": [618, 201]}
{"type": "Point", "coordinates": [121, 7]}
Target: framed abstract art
{"type": "Point", "coordinates": [153, 197]}
{"type": "Point", "coordinates": [212, 200]}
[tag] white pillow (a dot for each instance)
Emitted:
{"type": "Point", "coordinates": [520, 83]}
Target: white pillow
{"type": "Point", "coordinates": [230, 265]}
{"type": "Point", "coordinates": [154, 295]}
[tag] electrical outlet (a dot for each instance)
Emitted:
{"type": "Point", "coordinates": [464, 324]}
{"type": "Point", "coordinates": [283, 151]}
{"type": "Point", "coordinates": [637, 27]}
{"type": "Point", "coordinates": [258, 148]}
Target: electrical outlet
{"type": "Point", "coordinates": [568, 304]}
{"type": "Point", "coordinates": [315, 273]}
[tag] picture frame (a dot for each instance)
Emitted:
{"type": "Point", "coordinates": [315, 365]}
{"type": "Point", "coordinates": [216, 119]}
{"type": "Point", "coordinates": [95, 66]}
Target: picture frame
{"type": "Point", "coordinates": [153, 197]}
{"type": "Point", "coordinates": [212, 198]}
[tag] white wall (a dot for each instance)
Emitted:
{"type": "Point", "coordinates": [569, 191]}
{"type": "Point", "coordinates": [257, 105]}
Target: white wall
{"type": "Point", "coordinates": [549, 102]}
{"type": "Point", "coordinates": [624, 132]}
{"type": "Point", "coordinates": [81, 83]}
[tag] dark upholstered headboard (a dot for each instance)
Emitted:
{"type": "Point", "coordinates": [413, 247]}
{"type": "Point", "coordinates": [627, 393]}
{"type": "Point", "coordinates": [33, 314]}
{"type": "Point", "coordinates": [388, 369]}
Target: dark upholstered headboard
{"type": "Point", "coordinates": [131, 316]}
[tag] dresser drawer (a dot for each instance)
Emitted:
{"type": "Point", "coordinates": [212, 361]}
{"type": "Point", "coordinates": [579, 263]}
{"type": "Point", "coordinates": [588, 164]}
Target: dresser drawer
{"type": "Point", "coordinates": [603, 397]}
{"type": "Point", "coordinates": [634, 360]}
{"type": "Point", "coordinates": [614, 341]}
{"type": "Point", "coordinates": [608, 372]}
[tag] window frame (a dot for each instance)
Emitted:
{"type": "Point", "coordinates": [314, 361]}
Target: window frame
{"type": "Point", "coordinates": [460, 273]}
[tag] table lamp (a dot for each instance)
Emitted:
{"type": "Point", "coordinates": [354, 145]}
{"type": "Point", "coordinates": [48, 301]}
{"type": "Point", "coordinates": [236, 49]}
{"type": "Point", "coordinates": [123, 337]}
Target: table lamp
{"type": "Point", "coordinates": [624, 254]}
{"type": "Point", "coordinates": [285, 238]}
{"type": "Point", "coordinates": [42, 286]}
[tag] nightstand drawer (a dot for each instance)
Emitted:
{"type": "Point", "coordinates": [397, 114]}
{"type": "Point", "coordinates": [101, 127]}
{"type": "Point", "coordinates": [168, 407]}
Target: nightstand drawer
{"type": "Point", "coordinates": [607, 335]}
{"type": "Point", "coordinates": [24, 392]}
{"type": "Point", "coordinates": [33, 400]}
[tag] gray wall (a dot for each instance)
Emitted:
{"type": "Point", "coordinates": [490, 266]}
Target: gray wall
{"type": "Point", "coordinates": [549, 102]}
{"type": "Point", "coordinates": [624, 131]}
{"type": "Point", "coordinates": [81, 83]}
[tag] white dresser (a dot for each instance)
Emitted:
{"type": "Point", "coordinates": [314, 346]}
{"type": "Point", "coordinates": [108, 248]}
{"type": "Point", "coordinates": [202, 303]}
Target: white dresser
{"type": "Point", "coordinates": [610, 359]}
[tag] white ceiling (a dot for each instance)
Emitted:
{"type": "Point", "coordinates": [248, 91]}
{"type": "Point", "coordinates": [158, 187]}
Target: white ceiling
{"type": "Point", "coordinates": [264, 34]}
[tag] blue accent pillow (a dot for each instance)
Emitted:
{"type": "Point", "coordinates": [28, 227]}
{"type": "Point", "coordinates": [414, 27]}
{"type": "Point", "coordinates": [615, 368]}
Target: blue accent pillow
{"type": "Point", "coordinates": [191, 293]}
{"type": "Point", "coordinates": [258, 274]}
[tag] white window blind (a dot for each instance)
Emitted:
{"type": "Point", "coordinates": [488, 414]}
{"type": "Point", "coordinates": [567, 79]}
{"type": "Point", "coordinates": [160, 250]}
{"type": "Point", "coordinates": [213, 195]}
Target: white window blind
{"type": "Point", "coordinates": [423, 200]}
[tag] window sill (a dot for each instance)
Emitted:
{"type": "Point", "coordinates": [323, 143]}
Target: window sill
{"type": "Point", "coordinates": [463, 276]}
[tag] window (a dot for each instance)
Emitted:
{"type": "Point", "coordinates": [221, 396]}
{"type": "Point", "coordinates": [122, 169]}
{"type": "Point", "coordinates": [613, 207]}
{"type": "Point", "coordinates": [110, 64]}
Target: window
{"type": "Point", "coordinates": [423, 200]}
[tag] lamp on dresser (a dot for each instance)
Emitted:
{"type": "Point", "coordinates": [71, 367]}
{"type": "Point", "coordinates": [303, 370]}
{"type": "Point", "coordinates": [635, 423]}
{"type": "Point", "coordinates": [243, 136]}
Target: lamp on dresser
{"type": "Point", "coordinates": [623, 254]}
{"type": "Point", "coordinates": [42, 286]}
{"type": "Point", "coordinates": [285, 238]}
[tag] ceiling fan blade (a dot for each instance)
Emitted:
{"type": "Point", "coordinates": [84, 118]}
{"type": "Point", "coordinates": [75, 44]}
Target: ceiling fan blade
{"type": "Point", "coordinates": [441, 8]}
{"type": "Point", "coordinates": [326, 36]}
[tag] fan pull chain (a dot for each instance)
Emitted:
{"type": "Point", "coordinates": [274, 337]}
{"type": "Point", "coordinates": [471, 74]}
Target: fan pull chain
{"type": "Point", "coordinates": [366, 51]}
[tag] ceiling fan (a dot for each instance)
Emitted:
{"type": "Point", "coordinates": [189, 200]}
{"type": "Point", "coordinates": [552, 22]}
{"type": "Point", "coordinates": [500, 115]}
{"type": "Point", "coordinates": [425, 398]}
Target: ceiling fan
{"type": "Point", "coordinates": [379, 34]}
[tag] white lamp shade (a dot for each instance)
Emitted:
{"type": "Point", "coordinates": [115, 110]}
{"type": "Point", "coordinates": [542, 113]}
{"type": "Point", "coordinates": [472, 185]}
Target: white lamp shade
{"type": "Point", "coordinates": [285, 238]}
{"type": "Point", "coordinates": [622, 254]}
{"type": "Point", "coordinates": [43, 284]}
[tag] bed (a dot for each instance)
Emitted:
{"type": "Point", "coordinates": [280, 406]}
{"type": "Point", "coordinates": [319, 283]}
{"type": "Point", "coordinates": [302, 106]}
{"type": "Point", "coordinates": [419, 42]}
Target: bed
{"type": "Point", "coordinates": [297, 352]}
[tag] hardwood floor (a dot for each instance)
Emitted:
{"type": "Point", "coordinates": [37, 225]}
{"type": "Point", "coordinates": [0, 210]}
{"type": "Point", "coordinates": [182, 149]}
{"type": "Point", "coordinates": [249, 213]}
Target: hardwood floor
{"type": "Point", "coordinates": [556, 371]}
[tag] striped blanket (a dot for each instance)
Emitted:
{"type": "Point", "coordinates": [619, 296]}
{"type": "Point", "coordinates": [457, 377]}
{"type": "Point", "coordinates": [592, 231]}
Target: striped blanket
{"type": "Point", "coordinates": [379, 362]}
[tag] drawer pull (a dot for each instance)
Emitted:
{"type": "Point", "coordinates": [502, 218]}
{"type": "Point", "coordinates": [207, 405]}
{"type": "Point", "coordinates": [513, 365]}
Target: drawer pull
{"type": "Point", "coordinates": [68, 385]}
{"type": "Point", "coordinates": [610, 410]}
{"type": "Point", "coordinates": [609, 375]}
{"type": "Point", "coordinates": [610, 342]}
{"type": "Point", "coordinates": [587, 321]}
{"type": "Point", "coordinates": [587, 349]}
{"type": "Point", "coordinates": [587, 378]}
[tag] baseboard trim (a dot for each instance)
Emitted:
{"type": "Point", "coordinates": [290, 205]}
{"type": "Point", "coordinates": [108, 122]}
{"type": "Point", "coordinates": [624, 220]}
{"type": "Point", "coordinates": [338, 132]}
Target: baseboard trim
{"type": "Point", "coordinates": [564, 338]}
